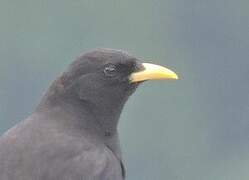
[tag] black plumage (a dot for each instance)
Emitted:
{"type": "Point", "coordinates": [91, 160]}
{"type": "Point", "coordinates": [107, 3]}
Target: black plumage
{"type": "Point", "coordinates": [72, 134]}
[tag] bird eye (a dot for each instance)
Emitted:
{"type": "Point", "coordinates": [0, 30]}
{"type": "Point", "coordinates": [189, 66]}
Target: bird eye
{"type": "Point", "coordinates": [110, 70]}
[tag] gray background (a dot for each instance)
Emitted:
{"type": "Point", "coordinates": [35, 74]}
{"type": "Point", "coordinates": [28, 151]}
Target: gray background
{"type": "Point", "coordinates": [196, 128]}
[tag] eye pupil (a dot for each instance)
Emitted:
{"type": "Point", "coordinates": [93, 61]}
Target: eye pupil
{"type": "Point", "coordinates": [110, 70]}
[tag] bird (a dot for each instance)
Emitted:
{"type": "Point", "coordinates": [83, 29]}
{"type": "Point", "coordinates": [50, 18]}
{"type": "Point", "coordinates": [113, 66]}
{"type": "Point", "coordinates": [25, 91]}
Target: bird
{"type": "Point", "coordinates": [72, 133]}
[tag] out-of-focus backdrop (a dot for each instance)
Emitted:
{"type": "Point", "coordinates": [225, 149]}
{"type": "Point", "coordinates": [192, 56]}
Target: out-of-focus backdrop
{"type": "Point", "coordinates": [196, 128]}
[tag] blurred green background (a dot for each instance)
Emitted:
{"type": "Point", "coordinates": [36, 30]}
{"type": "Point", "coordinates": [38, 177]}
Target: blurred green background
{"type": "Point", "coordinates": [196, 128]}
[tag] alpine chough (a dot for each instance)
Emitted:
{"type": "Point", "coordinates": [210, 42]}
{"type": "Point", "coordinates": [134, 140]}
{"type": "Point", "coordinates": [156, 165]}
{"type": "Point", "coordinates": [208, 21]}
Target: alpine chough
{"type": "Point", "coordinates": [72, 134]}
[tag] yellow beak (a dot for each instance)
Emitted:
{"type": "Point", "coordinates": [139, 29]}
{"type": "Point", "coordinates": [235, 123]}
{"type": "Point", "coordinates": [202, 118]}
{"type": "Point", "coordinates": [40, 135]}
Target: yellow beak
{"type": "Point", "coordinates": [152, 72]}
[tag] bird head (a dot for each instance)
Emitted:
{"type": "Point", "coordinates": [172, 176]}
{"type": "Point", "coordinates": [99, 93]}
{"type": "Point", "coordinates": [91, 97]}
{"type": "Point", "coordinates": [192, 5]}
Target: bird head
{"type": "Point", "coordinates": [101, 81]}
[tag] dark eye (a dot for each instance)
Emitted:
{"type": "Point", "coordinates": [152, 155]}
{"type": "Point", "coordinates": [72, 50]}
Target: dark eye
{"type": "Point", "coordinates": [110, 70]}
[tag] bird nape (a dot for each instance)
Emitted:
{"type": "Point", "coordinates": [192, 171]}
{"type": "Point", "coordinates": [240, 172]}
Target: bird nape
{"type": "Point", "coordinates": [72, 134]}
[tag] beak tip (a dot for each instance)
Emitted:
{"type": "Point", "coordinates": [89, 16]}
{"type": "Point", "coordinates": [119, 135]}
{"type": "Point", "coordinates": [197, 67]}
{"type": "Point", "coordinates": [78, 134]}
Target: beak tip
{"type": "Point", "coordinates": [176, 77]}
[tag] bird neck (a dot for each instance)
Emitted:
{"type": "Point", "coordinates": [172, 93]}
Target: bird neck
{"type": "Point", "coordinates": [88, 114]}
{"type": "Point", "coordinates": [83, 115]}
